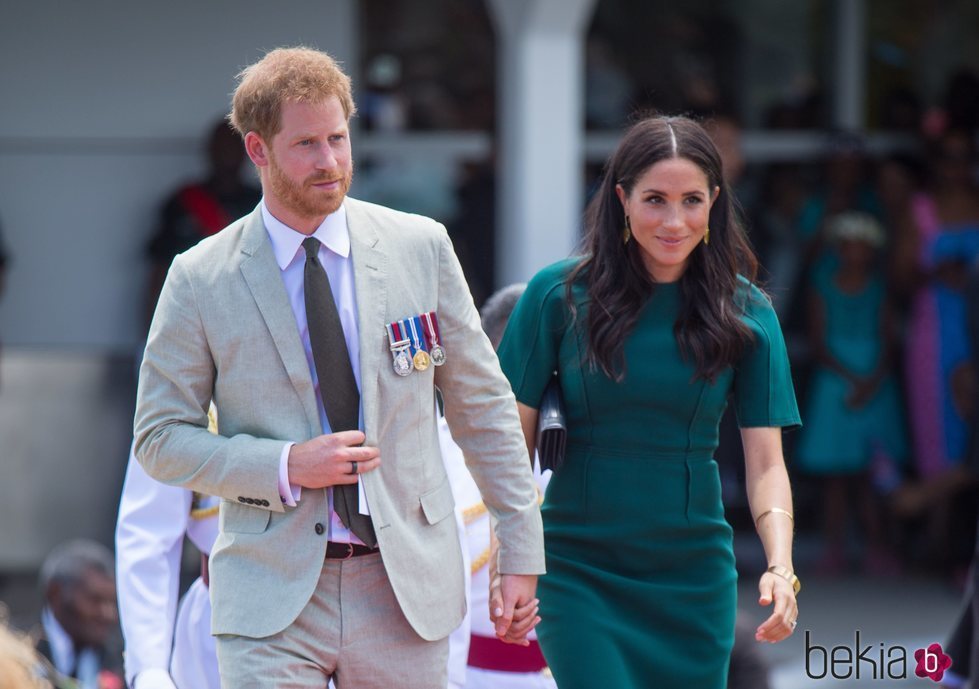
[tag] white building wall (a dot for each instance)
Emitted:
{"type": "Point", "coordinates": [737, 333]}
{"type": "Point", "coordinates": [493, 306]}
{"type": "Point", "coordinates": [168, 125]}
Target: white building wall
{"type": "Point", "coordinates": [103, 104]}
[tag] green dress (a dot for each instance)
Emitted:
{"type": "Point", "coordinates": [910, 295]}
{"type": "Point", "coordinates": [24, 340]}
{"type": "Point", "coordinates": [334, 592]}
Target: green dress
{"type": "Point", "coordinates": [640, 589]}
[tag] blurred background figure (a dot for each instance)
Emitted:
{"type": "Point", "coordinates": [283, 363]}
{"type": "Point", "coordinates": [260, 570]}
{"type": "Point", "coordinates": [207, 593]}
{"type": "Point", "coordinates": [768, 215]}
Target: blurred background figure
{"type": "Point", "coordinates": [963, 645]}
{"type": "Point", "coordinates": [3, 263]}
{"type": "Point", "coordinates": [934, 262]}
{"type": "Point", "coordinates": [726, 133]}
{"type": "Point", "coordinates": [781, 247]}
{"type": "Point", "coordinates": [946, 242]}
{"type": "Point", "coordinates": [608, 86]}
{"type": "Point", "coordinates": [853, 414]}
{"type": "Point", "coordinates": [199, 209]}
{"type": "Point", "coordinates": [78, 627]}
{"type": "Point", "coordinates": [845, 184]}
{"type": "Point", "coordinates": [383, 106]}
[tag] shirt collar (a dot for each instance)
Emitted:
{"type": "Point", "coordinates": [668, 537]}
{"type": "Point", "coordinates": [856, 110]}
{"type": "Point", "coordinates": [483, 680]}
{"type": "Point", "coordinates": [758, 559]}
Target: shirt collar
{"type": "Point", "coordinates": [62, 647]}
{"type": "Point", "coordinates": [286, 242]}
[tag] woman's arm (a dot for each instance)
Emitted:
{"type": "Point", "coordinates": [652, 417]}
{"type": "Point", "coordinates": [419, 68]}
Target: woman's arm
{"type": "Point", "coordinates": [770, 499]}
{"type": "Point", "coordinates": [528, 422]}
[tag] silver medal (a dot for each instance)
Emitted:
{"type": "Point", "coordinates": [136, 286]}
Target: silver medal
{"type": "Point", "coordinates": [437, 354]}
{"type": "Point", "coordinates": [403, 364]}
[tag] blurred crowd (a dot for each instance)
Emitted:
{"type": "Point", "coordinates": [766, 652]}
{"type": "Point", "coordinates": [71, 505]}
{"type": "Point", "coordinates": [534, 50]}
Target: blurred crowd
{"type": "Point", "coordinates": [872, 261]}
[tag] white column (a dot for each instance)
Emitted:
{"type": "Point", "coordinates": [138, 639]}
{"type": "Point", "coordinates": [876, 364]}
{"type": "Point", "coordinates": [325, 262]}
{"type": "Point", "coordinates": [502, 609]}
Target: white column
{"type": "Point", "coordinates": [851, 65]}
{"type": "Point", "coordinates": [540, 132]}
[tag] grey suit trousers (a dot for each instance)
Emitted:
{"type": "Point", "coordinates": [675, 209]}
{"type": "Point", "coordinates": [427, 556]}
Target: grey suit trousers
{"type": "Point", "coordinates": [352, 631]}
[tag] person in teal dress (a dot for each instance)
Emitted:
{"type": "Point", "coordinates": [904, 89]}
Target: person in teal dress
{"type": "Point", "coordinates": [651, 331]}
{"type": "Point", "coordinates": [853, 437]}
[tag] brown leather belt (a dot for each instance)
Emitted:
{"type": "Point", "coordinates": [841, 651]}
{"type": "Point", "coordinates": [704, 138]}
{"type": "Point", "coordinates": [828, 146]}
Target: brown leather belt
{"type": "Point", "coordinates": [345, 551]}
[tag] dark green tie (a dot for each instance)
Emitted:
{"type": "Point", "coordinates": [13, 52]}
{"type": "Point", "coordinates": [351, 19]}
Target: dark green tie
{"type": "Point", "coordinates": [338, 387]}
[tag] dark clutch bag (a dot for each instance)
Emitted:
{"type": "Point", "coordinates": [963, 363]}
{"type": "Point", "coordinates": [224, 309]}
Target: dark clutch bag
{"type": "Point", "coordinates": [552, 429]}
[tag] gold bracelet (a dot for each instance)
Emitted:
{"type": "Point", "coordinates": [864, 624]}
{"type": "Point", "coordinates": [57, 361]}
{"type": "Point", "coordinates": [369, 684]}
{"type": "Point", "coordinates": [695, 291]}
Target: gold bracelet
{"type": "Point", "coordinates": [777, 510]}
{"type": "Point", "coordinates": [788, 575]}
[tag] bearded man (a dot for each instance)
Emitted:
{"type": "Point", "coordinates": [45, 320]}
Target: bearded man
{"type": "Point", "coordinates": [321, 326]}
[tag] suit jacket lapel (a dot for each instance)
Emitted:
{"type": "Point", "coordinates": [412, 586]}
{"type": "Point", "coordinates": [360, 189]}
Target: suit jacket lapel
{"type": "Point", "coordinates": [370, 266]}
{"type": "Point", "coordinates": [264, 279]}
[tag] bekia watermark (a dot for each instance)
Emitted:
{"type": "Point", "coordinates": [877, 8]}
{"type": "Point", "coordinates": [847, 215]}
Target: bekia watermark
{"type": "Point", "coordinates": [870, 661]}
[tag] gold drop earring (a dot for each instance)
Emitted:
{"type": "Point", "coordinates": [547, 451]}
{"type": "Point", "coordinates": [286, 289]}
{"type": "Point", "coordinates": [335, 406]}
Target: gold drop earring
{"type": "Point", "coordinates": [627, 231]}
{"type": "Point", "coordinates": [707, 237]}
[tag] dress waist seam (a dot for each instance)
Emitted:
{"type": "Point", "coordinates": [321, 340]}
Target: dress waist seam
{"type": "Point", "coordinates": [677, 455]}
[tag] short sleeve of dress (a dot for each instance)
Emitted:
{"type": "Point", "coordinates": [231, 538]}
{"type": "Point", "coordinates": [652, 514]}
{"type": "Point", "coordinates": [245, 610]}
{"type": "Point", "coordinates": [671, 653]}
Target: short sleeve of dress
{"type": "Point", "coordinates": [763, 392]}
{"type": "Point", "coordinates": [529, 349]}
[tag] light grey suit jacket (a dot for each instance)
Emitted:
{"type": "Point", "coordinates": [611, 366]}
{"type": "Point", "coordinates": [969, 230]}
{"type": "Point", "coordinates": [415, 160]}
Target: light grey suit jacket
{"type": "Point", "coordinates": [224, 330]}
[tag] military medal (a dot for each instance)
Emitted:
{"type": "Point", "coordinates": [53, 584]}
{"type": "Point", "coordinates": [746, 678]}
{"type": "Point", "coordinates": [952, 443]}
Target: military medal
{"type": "Point", "coordinates": [421, 359]}
{"type": "Point", "coordinates": [399, 346]}
{"type": "Point", "coordinates": [431, 332]}
{"type": "Point", "coordinates": [403, 364]}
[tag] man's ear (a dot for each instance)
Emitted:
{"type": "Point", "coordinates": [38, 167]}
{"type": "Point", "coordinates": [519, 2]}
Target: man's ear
{"type": "Point", "coordinates": [257, 149]}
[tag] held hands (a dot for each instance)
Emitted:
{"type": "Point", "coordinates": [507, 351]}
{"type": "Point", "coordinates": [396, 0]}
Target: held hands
{"type": "Point", "coordinates": [780, 625]}
{"type": "Point", "coordinates": [513, 607]}
{"type": "Point", "coordinates": [331, 460]}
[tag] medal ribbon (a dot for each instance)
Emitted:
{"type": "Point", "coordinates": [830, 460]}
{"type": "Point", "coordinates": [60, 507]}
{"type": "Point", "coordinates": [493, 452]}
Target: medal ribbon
{"type": "Point", "coordinates": [431, 332]}
{"type": "Point", "coordinates": [416, 327]}
{"type": "Point", "coordinates": [394, 337]}
{"type": "Point", "coordinates": [406, 336]}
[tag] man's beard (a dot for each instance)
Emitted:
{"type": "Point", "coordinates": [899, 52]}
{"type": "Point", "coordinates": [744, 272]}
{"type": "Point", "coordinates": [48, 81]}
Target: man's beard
{"type": "Point", "coordinates": [302, 198]}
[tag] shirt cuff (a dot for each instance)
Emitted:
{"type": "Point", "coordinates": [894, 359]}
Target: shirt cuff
{"type": "Point", "coordinates": [289, 493]}
{"type": "Point", "coordinates": [153, 678]}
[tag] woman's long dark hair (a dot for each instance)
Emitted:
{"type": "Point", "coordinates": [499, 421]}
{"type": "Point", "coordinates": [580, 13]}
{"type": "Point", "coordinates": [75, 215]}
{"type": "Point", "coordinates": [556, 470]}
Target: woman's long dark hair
{"type": "Point", "coordinates": [709, 329]}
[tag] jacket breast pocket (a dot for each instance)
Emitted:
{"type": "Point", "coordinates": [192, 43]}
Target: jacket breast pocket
{"type": "Point", "coordinates": [237, 518]}
{"type": "Point", "coordinates": [438, 504]}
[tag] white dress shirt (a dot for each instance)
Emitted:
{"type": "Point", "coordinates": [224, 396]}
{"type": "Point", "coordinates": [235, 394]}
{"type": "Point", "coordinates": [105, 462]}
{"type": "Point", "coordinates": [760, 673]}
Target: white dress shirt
{"type": "Point", "coordinates": [334, 256]}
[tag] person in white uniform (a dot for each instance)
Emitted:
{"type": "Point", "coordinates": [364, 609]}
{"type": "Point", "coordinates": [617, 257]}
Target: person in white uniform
{"type": "Point", "coordinates": [488, 663]}
{"type": "Point", "coordinates": [492, 664]}
{"type": "Point", "coordinates": [164, 648]}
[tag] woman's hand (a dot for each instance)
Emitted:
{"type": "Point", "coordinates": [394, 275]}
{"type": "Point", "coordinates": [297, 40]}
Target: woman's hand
{"type": "Point", "coordinates": [513, 607]}
{"type": "Point", "coordinates": [780, 625]}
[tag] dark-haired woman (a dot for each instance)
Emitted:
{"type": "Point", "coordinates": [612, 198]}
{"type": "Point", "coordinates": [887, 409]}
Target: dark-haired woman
{"type": "Point", "coordinates": [650, 331]}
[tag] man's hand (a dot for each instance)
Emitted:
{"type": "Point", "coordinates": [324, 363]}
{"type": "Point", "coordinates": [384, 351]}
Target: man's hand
{"type": "Point", "coordinates": [513, 607]}
{"type": "Point", "coordinates": [331, 460]}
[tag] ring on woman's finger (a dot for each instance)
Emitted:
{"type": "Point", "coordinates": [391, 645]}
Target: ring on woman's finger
{"type": "Point", "coordinates": [793, 623]}
{"type": "Point", "coordinates": [353, 468]}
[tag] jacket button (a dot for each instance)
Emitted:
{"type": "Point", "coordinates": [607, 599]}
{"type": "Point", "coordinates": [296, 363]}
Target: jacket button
{"type": "Point", "coordinates": [241, 498]}
{"type": "Point", "coordinates": [250, 501]}
{"type": "Point", "coordinates": [265, 503]}
{"type": "Point", "coordinates": [319, 529]}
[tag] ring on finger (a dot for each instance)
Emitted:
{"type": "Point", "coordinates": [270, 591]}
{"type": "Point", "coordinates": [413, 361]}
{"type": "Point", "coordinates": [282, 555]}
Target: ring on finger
{"type": "Point", "coordinates": [353, 468]}
{"type": "Point", "coordinates": [793, 623]}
